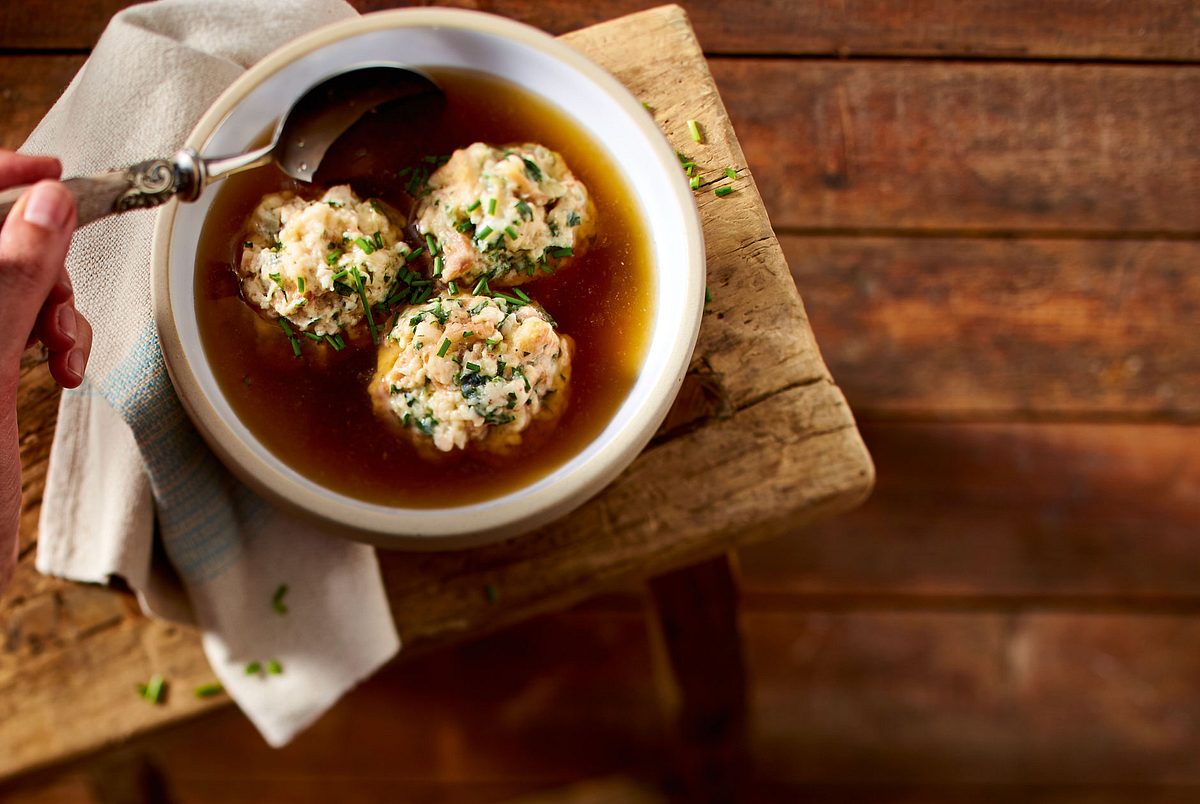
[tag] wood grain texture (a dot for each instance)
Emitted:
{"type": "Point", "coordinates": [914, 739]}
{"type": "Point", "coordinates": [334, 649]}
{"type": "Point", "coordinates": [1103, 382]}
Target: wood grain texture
{"type": "Point", "coordinates": [747, 453]}
{"type": "Point", "coordinates": [1061, 29]}
{"type": "Point", "coordinates": [998, 328]}
{"type": "Point", "coordinates": [987, 148]}
{"type": "Point", "coordinates": [1003, 515]}
{"type": "Point", "coordinates": [29, 85]}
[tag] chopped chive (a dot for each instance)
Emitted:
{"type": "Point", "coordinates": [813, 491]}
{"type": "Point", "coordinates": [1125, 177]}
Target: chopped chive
{"type": "Point", "coordinates": [276, 278]}
{"type": "Point", "coordinates": [694, 183]}
{"type": "Point", "coordinates": [472, 367]}
{"type": "Point", "coordinates": [248, 244]}
{"type": "Point", "coordinates": [483, 233]}
{"type": "Point", "coordinates": [495, 339]}
{"type": "Point", "coordinates": [468, 333]}
{"type": "Point", "coordinates": [721, 192]}
{"type": "Point", "coordinates": [437, 265]}
{"type": "Point", "coordinates": [565, 251]}
{"type": "Point", "coordinates": [299, 284]}
{"type": "Point", "coordinates": [444, 348]}
{"type": "Point", "coordinates": [510, 299]}
{"type": "Point", "coordinates": [366, 245]}
{"type": "Point", "coordinates": [492, 206]}
{"type": "Point", "coordinates": [362, 294]}
{"type": "Point", "coordinates": [378, 238]}
{"type": "Point", "coordinates": [480, 287]}
{"type": "Point", "coordinates": [521, 294]}
{"type": "Point", "coordinates": [463, 227]}
{"type": "Point", "coordinates": [209, 690]}
{"type": "Point", "coordinates": [287, 329]}
{"type": "Point", "coordinates": [474, 205]}
{"type": "Point", "coordinates": [512, 233]}
{"type": "Point", "coordinates": [295, 347]}
{"type": "Point", "coordinates": [155, 689]}
{"type": "Point", "coordinates": [341, 274]}
{"type": "Point", "coordinates": [431, 242]}
{"type": "Point", "coordinates": [412, 255]}
{"type": "Point", "coordinates": [452, 285]}
{"type": "Point", "coordinates": [694, 129]}
{"type": "Point", "coordinates": [730, 173]}
{"type": "Point", "coordinates": [253, 668]}
{"type": "Point", "coordinates": [312, 336]}
{"type": "Point", "coordinates": [707, 295]}
{"type": "Point", "coordinates": [277, 599]}
{"type": "Point", "coordinates": [274, 667]}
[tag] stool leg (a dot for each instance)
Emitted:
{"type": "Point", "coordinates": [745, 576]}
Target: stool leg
{"type": "Point", "coordinates": [703, 676]}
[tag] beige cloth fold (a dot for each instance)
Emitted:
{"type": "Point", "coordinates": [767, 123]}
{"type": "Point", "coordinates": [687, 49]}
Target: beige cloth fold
{"type": "Point", "coordinates": [125, 459]}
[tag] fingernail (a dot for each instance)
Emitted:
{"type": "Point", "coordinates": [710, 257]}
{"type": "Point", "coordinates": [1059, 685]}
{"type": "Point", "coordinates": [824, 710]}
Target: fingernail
{"type": "Point", "coordinates": [66, 322]}
{"type": "Point", "coordinates": [75, 362]}
{"type": "Point", "coordinates": [48, 206]}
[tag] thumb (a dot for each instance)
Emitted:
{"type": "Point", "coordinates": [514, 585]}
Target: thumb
{"type": "Point", "coordinates": [33, 247]}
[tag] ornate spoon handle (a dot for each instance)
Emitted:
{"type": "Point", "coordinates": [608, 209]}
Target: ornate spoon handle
{"type": "Point", "coordinates": [146, 184]}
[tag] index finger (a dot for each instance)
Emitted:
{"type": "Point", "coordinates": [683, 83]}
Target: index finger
{"type": "Point", "coordinates": [21, 169]}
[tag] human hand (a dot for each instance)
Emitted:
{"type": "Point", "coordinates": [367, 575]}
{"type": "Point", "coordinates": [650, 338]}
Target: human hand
{"type": "Point", "coordinates": [37, 303]}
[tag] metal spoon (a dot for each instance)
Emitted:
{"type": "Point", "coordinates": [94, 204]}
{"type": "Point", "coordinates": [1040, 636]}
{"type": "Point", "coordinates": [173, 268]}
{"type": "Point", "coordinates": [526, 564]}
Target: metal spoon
{"type": "Point", "coordinates": [302, 137]}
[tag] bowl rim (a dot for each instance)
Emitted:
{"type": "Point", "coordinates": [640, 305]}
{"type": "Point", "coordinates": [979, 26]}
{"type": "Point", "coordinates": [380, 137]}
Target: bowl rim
{"type": "Point", "coordinates": [511, 513]}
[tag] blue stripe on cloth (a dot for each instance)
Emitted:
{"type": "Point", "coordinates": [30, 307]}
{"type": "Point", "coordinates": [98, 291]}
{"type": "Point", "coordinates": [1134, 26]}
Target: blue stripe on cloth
{"type": "Point", "coordinates": [197, 502]}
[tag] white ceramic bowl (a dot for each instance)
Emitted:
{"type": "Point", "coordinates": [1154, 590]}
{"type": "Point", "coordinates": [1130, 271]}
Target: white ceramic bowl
{"type": "Point", "coordinates": [547, 68]}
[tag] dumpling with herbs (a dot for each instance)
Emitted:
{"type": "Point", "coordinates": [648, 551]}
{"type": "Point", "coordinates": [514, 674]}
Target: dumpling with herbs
{"type": "Point", "coordinates": [501, 216]}
{"type": "Point", "coordinates": [319, 263]}
{"type": "Point", "coordinates": [461, 371]}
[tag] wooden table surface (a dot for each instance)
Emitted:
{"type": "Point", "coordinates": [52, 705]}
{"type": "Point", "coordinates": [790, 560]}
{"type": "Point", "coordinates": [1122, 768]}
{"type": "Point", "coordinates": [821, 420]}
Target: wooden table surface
{"type": "Point", "coordinates": [760, 439]}
{"type": "Point", "coordinates": [992, 213]}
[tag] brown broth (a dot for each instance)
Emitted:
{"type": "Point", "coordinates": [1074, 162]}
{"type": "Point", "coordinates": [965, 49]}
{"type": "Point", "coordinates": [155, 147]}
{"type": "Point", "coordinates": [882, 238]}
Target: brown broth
{"type": "Point", "coordinates": [315, 413]}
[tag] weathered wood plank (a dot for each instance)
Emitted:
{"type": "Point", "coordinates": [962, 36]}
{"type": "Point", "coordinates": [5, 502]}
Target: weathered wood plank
{"type": "Point", "coordinates": [1002, 328]}
{"type": "Point", "coordinates": [1074, 29]}
{"type": "Point", "coordinates": [920, 145]}
{"type": "Point", "coordinates": [1005, 515]}
{"type": "Point", "coordinates": [29, 85]}
{"type": "Point", "coordinates": [978, 698]}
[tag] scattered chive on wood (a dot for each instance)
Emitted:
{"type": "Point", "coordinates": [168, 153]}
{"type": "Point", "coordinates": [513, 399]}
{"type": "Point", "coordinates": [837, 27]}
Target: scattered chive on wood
{"type": "Point", "coordinates": [694, 183]}
{"type": "Point", "coordinates": [154, 690]}
{"type": "Point", "coordinates": [730, 173]}
{"type": "Point", "coordinates": [694, 130]}
{"type": "Point", "coordinates": [707, 296]}
{"type": "Point", "coordinates": [277, 599]}
{"type": "Point", "coordinates": [721, 192]}
{"type": "Point", "coordinates": [209, 690]}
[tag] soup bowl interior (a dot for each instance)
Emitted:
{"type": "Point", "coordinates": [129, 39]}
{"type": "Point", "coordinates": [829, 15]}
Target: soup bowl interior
{"type": "Point", "coordinates": [542, 66]}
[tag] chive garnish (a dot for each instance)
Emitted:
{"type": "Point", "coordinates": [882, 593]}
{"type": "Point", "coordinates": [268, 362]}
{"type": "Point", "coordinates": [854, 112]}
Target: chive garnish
{"type": "Point", "coordinates": [274, 667]}
{"type": "Point", "coordinates": [707, 295]}
{"type": "Point", "coordinates": [492, 206]}
{"type": "Point", "coordinates": [366, 245]}
{"type": "Point", "coordinates": [412, 255]}
{"type": "Point", "coordinates": [694, 129]}
{"type": "Point", "coordinates": [155, 689]}
{"type": "Point", "coordinates": [472, 367]}
{"type": "Point", "coordinates": [521, 294]}
{"type": "Point", "coordinates": [483, 233]}
{"type": "Point", "coordinates": [495, 339]}
{"type": "Point", "coordinates": [378, 238]}
{"type": "Point", "coordinates": [475, 205]}
{"type": "Point", "coordinates": [730, 173]}
{"type": "Point", "coordinates": [332, 257]}
{"type": "Point", "coordinates": [248, 244]}
{"type": "Point", "coordinates": [468, 333]}
{"type": "Point", "coordinates": [329, 339]}
{"type": "Point", "coordinates": [721, 192]}
{"type": "Point", "coordinates": [452, 285]}
{"type": "Point", "coordinates": [299, 284]}
{"type": "Point", "coordinates": [437, 265]}
{"type": "Point", "coordinates": [444, 348]}
{"type": "Point", "coordinates": [362, 294]}
{"type": "Point", "coordinates": [565, 251]}
{"type": "Point", "coordinates": [253, 668]}
{"type": "Point", "coordinates": [694, 183]}
{"type": "Point", "coordinates": [209, 690]}
{"type": "Point", "coordinates": [431, 242]}
{"type": "Point", "coordinates": [277, 599]}
{"type": "Point", "coordinates": [312, 336]}
{"type": "Point", "coordinates": [510, 299]}
{"type": "Point", "coordinates": [512, 233]}
{"type": "Point", "coordinates": [341, 274]}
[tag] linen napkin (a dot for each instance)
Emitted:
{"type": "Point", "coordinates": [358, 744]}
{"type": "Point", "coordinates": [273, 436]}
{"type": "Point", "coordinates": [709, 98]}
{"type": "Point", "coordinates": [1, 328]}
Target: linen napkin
{"type": "Point", "coordinates": [125, 457]}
